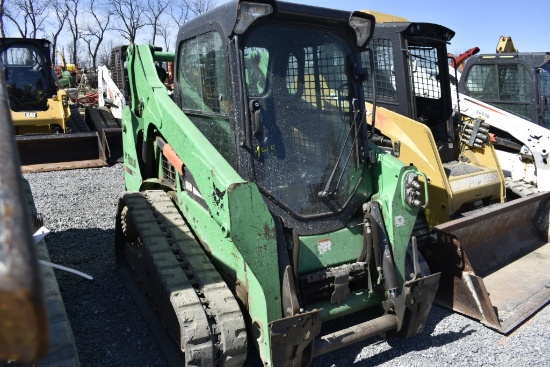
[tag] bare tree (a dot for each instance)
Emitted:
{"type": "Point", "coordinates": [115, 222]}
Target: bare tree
{"type": "Point", "coordinates": [61, 10]}
{"type": "Point", "coordinates": [104, 55]}
{"type": "Point", "coordinates": [197, 7]}
{"type": "Point", "coordinates": [165, 31]}
{"type": "Point", "coordinates": [179, 12]}
{"type": "Point", "coordinates": [73, 21]}
{"type": "Point", "coordinates": [2, 26]}
{"type": "Point", "coordinates": [129, 15]}
{"type": "Point", "coordinates": [28, 16]}
{"type": "Point", "coordinates": [94, 31]}
{"type": "Point", "coordinates": [182, 10]}
{"type": "Point", "coordinates": [155, 9]}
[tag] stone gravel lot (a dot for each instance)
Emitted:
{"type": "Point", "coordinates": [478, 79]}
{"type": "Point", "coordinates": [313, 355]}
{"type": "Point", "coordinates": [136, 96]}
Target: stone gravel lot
{"type": "Point", "coordinates": [79, 207]}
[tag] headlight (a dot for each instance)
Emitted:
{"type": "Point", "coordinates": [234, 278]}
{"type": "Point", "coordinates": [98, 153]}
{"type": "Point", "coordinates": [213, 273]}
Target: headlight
{"type": "Point", "coordinates": [248, 13]}
{"type": "Point", "coordinates": [362, 28]}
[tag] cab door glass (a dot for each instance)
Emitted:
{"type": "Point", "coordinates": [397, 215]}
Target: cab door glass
{"type": "Point", "coordinates": [203, 92]}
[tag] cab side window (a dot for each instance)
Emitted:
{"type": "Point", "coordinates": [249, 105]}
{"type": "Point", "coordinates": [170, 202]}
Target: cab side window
{"type": "Point", "coordinates": [203, 94]}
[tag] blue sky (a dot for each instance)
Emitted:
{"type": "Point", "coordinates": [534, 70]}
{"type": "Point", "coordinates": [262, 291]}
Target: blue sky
{"type": "Point", "coordinates": [476, 23]}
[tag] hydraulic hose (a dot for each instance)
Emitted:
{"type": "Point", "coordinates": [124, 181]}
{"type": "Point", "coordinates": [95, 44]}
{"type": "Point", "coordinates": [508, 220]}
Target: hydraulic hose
{"type": "Point", "coordinates": [366, 253]}
{"type": "Point", "coordinates": [383, 257]}
{"type": "Point", "coordinates": [374, 246]}
{"type": "Point", "coordinates": [388, 267]}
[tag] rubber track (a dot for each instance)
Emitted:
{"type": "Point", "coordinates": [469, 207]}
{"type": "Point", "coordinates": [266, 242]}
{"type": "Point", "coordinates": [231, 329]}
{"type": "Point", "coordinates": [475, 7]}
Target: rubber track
{"type": "Point", "coordinates": [211, 324]}
{"type": "Point", "coordinates": [98, 119]}
{"type": "Point", "coordinates": [76, 123]}
{"type": "Point", "coordinates": [520, 188]}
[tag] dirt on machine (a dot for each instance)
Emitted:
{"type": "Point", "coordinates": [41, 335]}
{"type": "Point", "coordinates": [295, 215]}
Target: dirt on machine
{"type": "Point", "coordinates": [257, 208]}
{"type": "Point", "coordinates": [481, 245]}
{"type": "Point", "coordinates": [50, 132]}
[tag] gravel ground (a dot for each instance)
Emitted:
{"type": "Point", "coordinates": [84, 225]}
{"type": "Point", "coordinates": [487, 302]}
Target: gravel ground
{"type": "Point", "coordinates": [79, 206]}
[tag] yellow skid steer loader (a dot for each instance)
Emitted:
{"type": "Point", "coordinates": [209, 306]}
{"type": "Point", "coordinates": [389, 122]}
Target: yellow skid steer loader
{"type": "Point", "coordinates": [493, 256]}
{"type": "Point", "coordinates": [50, 134]}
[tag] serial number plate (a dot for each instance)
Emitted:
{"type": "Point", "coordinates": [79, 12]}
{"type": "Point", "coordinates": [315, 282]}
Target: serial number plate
{"type": "Point", "coordinates": [30, 115]}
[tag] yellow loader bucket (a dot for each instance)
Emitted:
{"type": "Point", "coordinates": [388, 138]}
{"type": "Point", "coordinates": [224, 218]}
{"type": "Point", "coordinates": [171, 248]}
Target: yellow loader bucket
{"type": "Point", "coordinates": [54, 152]}
{"type": "Point", "coordinates": [495, 263]}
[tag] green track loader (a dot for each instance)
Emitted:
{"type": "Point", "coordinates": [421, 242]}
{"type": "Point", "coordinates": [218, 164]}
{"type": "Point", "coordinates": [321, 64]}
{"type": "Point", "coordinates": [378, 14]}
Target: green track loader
{"type": "Point", "coordinates": [256, 208]}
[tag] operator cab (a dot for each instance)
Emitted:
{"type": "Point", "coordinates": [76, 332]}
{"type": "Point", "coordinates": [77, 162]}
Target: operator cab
{"type": "Point", "coordinates": [300, 132]}
{"type": "Point", "coordinates": [412, 75]}
{"type": "Point", "coordinates": [297, 89]}
{"type": "Point", "coordinates": [516, 82]}
{"type": "Point", "coordinates": [28, 72]}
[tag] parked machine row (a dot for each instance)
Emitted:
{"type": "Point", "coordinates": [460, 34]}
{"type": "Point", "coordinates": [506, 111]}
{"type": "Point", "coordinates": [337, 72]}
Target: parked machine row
{"type": "Point", "coordinates": [51, 132]}
{"type": "Point", "coordinates": [263, 162]}
{"type": "Point", "coordinates": [510, 90]}
{"type": "Point", "coordinates": [417, 122]}
{"type": "Point", "coordinates": [310, 164]}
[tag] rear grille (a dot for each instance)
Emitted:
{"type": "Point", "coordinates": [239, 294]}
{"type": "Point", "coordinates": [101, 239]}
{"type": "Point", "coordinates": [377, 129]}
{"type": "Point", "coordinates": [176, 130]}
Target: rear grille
{"type": "Point", "coordinates": [168, 172]}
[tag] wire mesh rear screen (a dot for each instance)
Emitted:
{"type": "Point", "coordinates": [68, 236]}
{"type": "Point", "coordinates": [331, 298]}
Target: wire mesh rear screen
{"type": "Point", "coordinates": [384, 70]}
{"type": "Point", "coordinates": [324, 80]}
{"type": "Point", "coordinates": [506, 86]}
{"type": "Point", "coordinates": [424, 71]}
{"type": "Point", "coordinates": [118, 72]}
